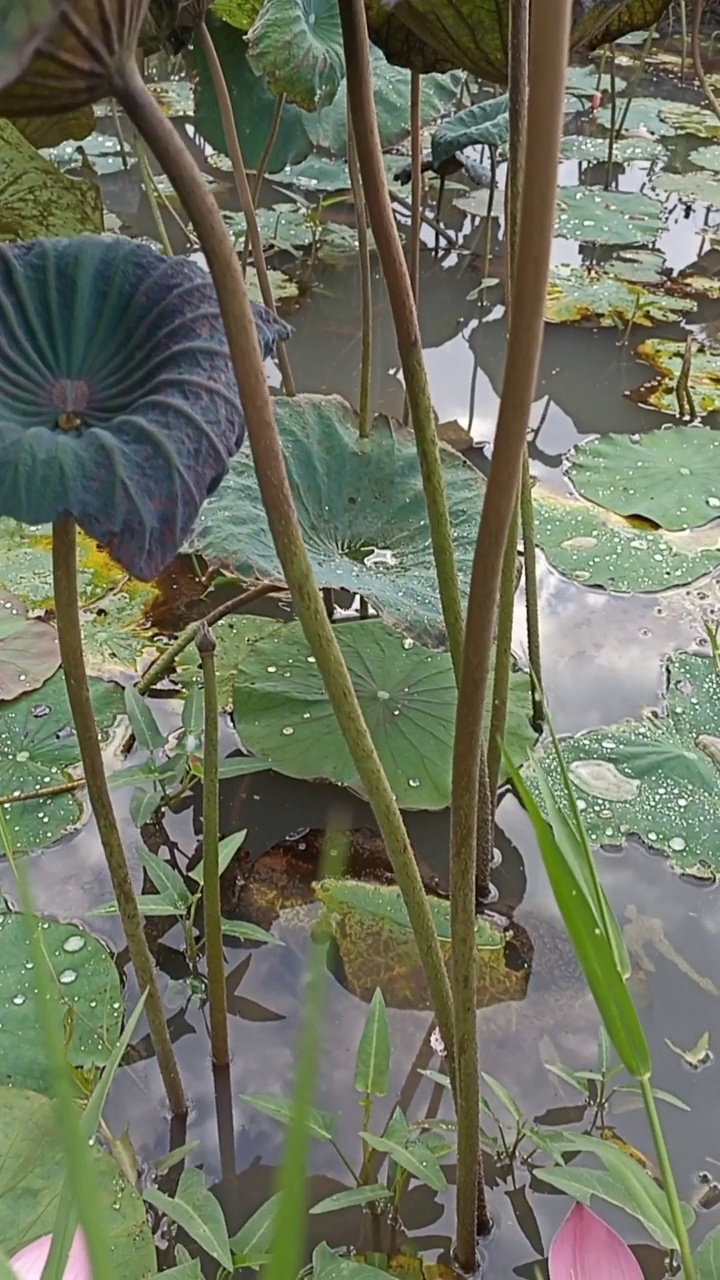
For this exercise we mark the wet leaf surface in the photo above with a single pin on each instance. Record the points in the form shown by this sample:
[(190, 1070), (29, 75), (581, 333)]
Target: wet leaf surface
[(32, 1173), (29, 650), (361, 507), (594, 216), (233, 636), (657, 777), (408, 696), (86, 1002), (38, 747), (701, 186), (670, 477), (585, 293), (625, 150), (667, 357)]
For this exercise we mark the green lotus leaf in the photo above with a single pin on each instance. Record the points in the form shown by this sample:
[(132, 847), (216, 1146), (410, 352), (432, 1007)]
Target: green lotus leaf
[(39, 749), (118, 399), (86, 1001), (601, 549), (707, 158), (232, 637), (29, 651), (595, 216), (588, 294), (657, 777), (638, 266), (685, 117), (22, 27), (667, 357), (399, 44), (408, 696), (362, 510), (74, 60), (603, 21), (298, 45), (377, 949), (670, 477), (238, 13), (483, 124), (39, 200), (643, 114), (578, 146), (701, 186), (32, 1175)]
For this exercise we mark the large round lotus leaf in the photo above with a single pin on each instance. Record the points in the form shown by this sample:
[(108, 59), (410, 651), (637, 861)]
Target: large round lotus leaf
[(86, 1001), (118, 401), (701, 185), (29, 650), (685, 117), (658, 777), (377, 948), (361, 507), (625, 150), (639, 266), (74, 60), (600, 549), (484, 123), (408, 696), (595, 216), (667, 356), (232, 636), (643, 114), (707, 157), (298, 45), (32, 1173), (39, 200), (585, 293), (23, 23), (38, 747), (670, 477)]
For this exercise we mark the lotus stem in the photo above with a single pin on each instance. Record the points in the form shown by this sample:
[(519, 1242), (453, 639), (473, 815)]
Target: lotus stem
[(416, 181), (635, 80), (532, 602), (471, 801), (613, 119), (501, 682), (697, 60), (366, 300), (244, 193), (163, 665), (684, 37), (67, 614), (405, 317), (668, 1178), (43, 793), (212, 915), (488, 217), (152, 195), (263, 163), (282, 517)]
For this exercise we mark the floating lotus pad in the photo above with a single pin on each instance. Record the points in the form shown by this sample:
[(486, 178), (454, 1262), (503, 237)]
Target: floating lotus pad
[(361, 507), (625, 150), (408, 696), (707, 157), (667, 357), (685, 117), (671, 477), (29, 652), (129, 426), (32, 1175), (595, 216), (701, 186), (600, 549), (38, 747), (86, 1002), (585, 293), (658, 777)]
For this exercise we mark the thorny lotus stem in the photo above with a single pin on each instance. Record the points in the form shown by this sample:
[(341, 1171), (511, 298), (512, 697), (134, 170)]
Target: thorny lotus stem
[(279, 504), (409, 340), (242, 185), (684, 37), (697, 60), (163, 665), (532, 601), (613, 120), (263, 163), (548, 47), (416, 182), (67, 614), (366, 300), (668, 1178), (152, 196), (212, 916)]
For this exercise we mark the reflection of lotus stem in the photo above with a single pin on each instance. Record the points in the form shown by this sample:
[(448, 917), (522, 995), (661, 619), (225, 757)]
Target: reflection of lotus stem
[(697, 60), (164, 664), (279, 505), (263, 163), (67, 614), (668, 1179), (151, 192), (212, 916), (244, 193), (472, 805), (366, 301), (404, 311), (416, 184)]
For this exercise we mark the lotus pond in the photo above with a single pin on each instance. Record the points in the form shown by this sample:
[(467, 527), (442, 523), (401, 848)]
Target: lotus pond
[(625, 459)]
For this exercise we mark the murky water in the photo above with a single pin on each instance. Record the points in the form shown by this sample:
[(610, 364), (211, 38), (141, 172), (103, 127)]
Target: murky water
[(602, 658)]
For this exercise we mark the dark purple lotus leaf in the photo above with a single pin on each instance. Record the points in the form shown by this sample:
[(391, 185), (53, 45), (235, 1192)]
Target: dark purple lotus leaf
[(118, 400)]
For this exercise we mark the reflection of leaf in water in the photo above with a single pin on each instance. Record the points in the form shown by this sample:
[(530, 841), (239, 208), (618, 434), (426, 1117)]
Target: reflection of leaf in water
[(642, 931)]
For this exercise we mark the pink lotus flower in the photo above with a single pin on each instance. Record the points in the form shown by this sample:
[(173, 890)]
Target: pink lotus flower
[(29, 1262), (586, 1248)]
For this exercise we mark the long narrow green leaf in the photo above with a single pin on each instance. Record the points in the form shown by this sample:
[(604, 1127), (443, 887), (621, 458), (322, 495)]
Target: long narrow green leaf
[(416, 1158), (197, 1211), (592, 948), (148, 733), (256, 1236), (369, 1194), (372, 1067)]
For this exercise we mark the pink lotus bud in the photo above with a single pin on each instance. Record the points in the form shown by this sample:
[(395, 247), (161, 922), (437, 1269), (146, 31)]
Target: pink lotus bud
[(596, 103), (28, 1264), (586, 1248)]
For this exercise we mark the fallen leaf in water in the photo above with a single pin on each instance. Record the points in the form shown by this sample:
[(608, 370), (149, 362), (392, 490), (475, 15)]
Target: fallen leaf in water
[(699, 1056)]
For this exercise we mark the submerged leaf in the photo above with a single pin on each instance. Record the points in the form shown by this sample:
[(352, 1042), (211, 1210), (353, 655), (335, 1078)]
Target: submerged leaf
[(119, 401)]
